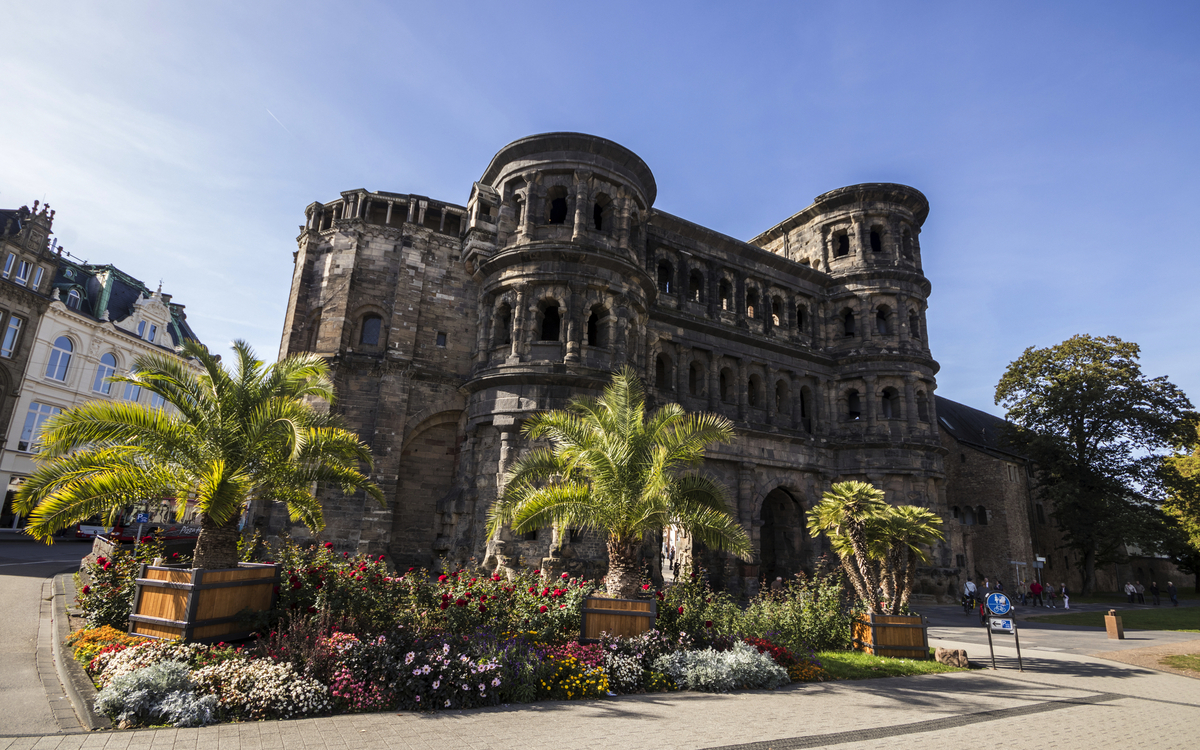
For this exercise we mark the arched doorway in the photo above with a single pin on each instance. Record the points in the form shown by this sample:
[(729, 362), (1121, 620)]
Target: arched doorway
[(782, 536)]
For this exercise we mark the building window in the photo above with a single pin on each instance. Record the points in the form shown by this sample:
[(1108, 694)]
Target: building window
[(906, 245), (725, 294), (968, 517), (38, 275), (551, 323), (60, 359), (595, 327), (891, 403), (441, 339), (106, 369), (922, 406), (601, 213), (662, 372), (503, 334), (73, 299), (530, 536), (34, 419), (782, 397), (726, 386), (696, 286), (776, 311), (751, 302), (754, 391), (157, 401), (153, 333), (664, 276), (556, 199), (133, 392), (22, 273), (8, 264), (914, 326), (883, 321), (695, 379), (1012, 472), (960, 561), (11, 333), (372, 325), (981, 515), (141, 328), (806, 408), (848, 323), (841, 245), (801, 318), (853, 406), (876, 241), (956, 514)]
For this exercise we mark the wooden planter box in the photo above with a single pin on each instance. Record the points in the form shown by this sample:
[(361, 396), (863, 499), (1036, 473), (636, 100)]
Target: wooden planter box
[(891, 635), (623, 617), (200, 605)]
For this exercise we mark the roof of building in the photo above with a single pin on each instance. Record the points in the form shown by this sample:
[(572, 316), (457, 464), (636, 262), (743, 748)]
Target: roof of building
[(976, 428), (108, 289)]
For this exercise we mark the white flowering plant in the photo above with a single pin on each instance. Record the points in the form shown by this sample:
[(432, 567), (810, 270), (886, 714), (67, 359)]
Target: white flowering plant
[(707, 670), (262, 689)]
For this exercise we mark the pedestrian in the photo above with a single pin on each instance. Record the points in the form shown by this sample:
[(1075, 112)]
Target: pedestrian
[(1130, 591), (1050, 597), (1035, 592), (1066, 597), (777, 584), (1154, 592), (1141, 592), (999, 585), (1173, 594), (987, 586)]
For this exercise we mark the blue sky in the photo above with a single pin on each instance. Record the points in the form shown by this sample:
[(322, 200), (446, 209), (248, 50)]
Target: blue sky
[(1057, 143)]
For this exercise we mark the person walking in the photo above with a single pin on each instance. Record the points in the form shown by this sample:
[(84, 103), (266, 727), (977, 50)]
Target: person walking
[(1035, 590), (1154, 592), (1130, 592), (1173, 594), (1141, 592), (1066, 597), (1000, 585), (987, 586)]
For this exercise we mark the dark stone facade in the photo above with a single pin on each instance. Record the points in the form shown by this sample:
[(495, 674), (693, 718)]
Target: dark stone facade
[(449, 325)]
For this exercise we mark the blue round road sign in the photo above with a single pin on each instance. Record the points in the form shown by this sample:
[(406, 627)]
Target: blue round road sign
[(998, 604)]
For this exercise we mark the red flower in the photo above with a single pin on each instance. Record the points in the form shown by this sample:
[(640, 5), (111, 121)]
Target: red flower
[(496, 578), (444, 604), (532, 590), (461, 602), (562, 606), (542, 608), (482, 608), (87, 589), (545, 592), (537, 571), (645, 587), (107, 565), (681, 610), (101, 560), (345, 554), (473, 580), (708, 623), (441, 579), (445, 596), (660, 595), (381, 558), (566, 575), (410, 570), (312, 610), (328, 545)]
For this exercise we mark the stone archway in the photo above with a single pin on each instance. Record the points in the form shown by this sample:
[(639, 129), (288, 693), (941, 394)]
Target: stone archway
[(783, 537)]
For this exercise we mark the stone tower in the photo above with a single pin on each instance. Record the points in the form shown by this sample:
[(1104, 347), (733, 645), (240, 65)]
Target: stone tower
[(447, 326)]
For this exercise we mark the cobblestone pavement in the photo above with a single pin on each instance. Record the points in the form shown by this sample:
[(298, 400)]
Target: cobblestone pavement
[(1061, 700)]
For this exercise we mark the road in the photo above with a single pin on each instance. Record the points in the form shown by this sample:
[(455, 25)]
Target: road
[(25, 566)]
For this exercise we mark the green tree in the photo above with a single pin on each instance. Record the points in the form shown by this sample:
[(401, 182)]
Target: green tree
[(610, 469), (1095, 428), (249, 434), (879, 544), (1181, 509)]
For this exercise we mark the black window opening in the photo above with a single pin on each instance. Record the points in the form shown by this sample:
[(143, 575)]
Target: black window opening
[(981, 516), (696, 287), (695, 378), (662, 372), (556, 212), (883, 322), (801, 318), (754, 391), (914, 326), (596, 328), (848, 323), (726, 385), (504, 317), (806, 409), (551, 323), (441, 339), (876, 241), (598, 217), (841, 245), (776, 311), (922, 406), (664, 277), (601, 213), (890, 403), (853, 406), (372, 325), (751, 303), (782, 398), (530, 536), (725, 294), (906, 245)]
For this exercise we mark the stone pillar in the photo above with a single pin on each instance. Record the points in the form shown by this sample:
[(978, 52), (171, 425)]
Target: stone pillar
[(870, 397), (518, 326), (526, 215), (484, 336), (572, 326), (388, 219), (714, 384), (742, 378), (681, 374), (831, 396), (412, 210), (422, 206), (902, 318), (910, 402), (581, 202), (771, 390), (797, 416), (621, 214), (509, 435)]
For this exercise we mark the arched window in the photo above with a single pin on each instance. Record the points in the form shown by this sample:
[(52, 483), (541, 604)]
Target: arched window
[(73, 299), (981, 516), (754, 391), (313, 330), (665, 271), (848, 322), (503, 330), (726, 385), (853, 405), (906, 245), (696, 379), (776, 311), (662, 372), (597, 328), (551, 322), (751, 302), (883, 320), (141, 328), (922, 406), (60, 359), (914, 325), (132, 392), (556, 203), (801, 319), (957, 514), (890, 403), (696, 286), (968, 516), (876, 241), (783, 398), (725, 294), (806, 408), (841, 245), (372, 326), (601, 213), (105, 370), (518, 210)]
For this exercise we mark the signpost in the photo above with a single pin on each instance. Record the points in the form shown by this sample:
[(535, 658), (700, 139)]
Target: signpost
[(142, 518), (1001, 621)]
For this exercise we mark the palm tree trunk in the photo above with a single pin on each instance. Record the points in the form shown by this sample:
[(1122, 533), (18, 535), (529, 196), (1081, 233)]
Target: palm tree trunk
[(623, 576), (216, 548)]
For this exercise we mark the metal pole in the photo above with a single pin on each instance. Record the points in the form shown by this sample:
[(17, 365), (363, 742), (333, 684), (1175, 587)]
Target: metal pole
[(1020, 666), (991, 647)]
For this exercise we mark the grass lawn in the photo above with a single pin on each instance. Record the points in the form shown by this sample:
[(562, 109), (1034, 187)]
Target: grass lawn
[(855, 665), (1183, 661), (1171, 618)]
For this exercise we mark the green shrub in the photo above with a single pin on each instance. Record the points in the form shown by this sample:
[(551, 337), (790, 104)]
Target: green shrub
[(107, 598), (161, 692), (712, 671)]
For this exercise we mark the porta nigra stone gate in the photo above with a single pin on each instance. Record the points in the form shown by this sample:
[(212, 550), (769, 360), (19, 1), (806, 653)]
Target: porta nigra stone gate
[(447, 326)]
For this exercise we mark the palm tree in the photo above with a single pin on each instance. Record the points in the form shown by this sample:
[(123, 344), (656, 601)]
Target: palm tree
[(910, 530), (846, 513), (612, 470), (249, 434)]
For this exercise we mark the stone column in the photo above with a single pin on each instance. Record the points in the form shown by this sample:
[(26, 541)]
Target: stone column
[(526, 220), (572, 321), (621, 216), (518, 326), (509, 435), (870, 397), (484, 336), (714, 384), (770, 388), (388, 219), (681, 374), (831, 396), (412, 210), (797, 416), (902, 318), (746, 493), (581, 202), (742, 378), (910, 402)]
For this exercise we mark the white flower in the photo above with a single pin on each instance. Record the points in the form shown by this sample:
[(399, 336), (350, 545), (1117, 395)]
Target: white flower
[(482, 687), (496, 682), (437, 684), (447, 703), (417, 699), (409, 657)]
